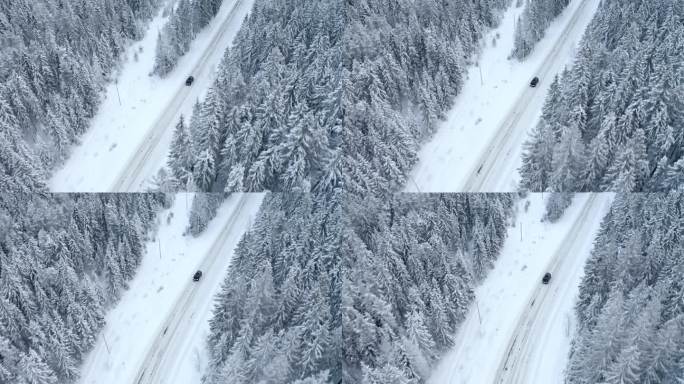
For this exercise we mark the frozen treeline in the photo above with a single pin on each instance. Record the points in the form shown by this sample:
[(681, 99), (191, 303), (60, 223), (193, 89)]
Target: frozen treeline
[(186, 21), (272, 119), (404, 62), (630, 309), (410, 265), (55, 57), (615, 120), (203, 210), (277, 318), (556, 205), (531, 26), (63, 260), (301, 105), (332, 288)]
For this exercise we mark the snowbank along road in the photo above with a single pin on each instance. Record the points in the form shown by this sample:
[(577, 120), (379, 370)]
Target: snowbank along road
[(138, 168), (496, 107), (171, 343), (495, 162), (533, 337), (518, 329)]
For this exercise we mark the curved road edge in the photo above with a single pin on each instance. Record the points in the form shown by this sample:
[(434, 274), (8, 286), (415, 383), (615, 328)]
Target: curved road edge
[(153, 368), (492, 155), (567, 262), (132, 175)]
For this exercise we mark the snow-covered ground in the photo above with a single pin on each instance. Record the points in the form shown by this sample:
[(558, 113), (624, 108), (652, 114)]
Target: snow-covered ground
[(157, 332), (519, 330), (479, 145), (130, 135)]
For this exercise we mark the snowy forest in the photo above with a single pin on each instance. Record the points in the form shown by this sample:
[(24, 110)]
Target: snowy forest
[(186, 21), (531, 26), (272, 118), (305, 106), (277, 317), (347, 100), (56, 57), (411, 264), (322, 285), (203, 210), (325, 105), (64, 260), (404, 64), (614, 121), (630, 308)]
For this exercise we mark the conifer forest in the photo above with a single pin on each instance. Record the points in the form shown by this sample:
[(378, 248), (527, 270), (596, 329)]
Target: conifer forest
[(341, 191)]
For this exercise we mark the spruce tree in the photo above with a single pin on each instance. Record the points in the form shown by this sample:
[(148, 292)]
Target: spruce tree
[(180, 153)]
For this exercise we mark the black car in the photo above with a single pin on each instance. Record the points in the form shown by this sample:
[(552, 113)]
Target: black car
[(189, 81), (197, 276), (534, 82), (546, 278)]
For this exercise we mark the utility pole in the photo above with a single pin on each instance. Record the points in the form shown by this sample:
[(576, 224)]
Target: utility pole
[(159, 243), (479, 66), (104, 337), (414, 183), (479, 317), (116, 83), (521, 231)]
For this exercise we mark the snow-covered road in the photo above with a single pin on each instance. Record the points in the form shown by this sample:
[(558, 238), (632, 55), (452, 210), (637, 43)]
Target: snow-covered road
[(493, 169), (156, 143), (519, 330), (545, 317), (129, 137), (478, 148), (157, 332), (174, 340)]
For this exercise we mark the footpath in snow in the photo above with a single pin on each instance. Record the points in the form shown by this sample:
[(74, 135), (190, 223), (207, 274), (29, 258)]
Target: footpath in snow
[(135, 326), (519, 330), (496, 100), (139, 111)]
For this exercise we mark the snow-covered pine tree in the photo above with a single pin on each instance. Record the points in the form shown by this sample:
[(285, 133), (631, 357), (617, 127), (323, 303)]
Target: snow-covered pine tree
[(277, 317), (317, 105), (63, 259), (556, 205), (180, 153), (411, 262), (187, 20), (622, 97), (56, 58), (631, 321), (204, 208), (531, 26), (398, 87)]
